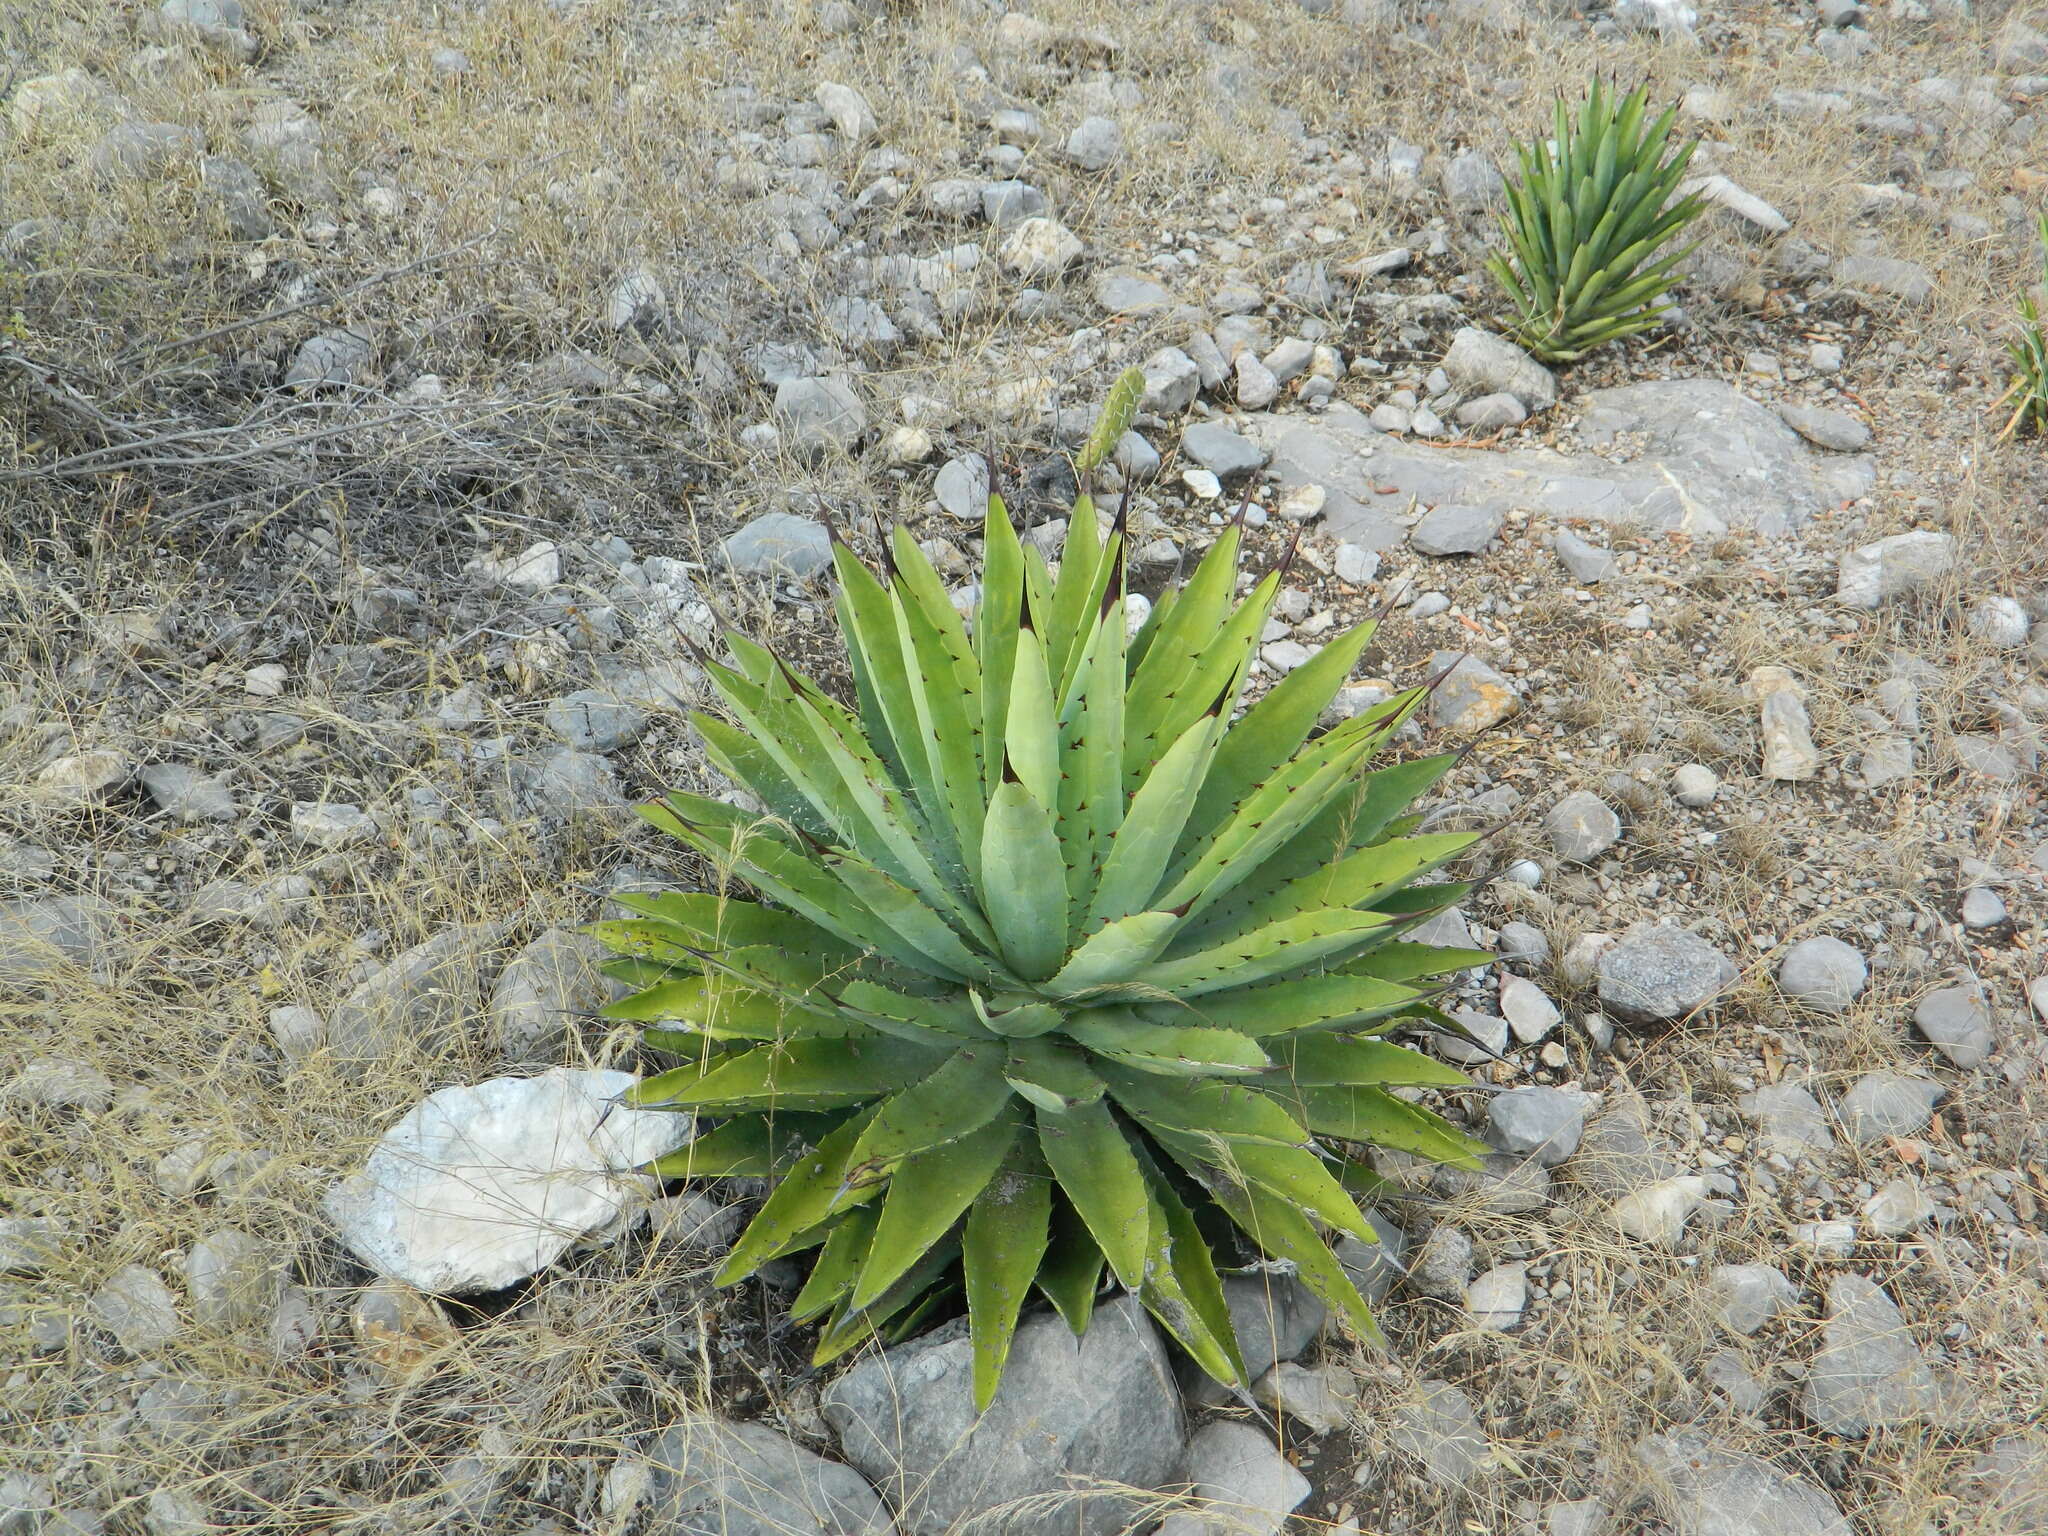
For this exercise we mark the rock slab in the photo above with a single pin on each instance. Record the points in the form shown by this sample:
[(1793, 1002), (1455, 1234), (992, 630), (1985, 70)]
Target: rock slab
[(1074, 1421), (477, 1188)]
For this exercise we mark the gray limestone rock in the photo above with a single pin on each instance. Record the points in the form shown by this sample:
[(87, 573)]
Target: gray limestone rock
[(1074, 1422), (1656, 972), (30, 1244), (1221, 451), (1172, 380), (1868, 1372), (1618, 1156), (1456, 530), (778, 544), (233, 1280), (1543, 1123), (961, 487), (137, 1308), (477, 1187), (1883, 1104), (1440, 1430), (543, 990), (1702, 458), (1887, 277), (1471, 696), (1708, 1490), (1374, 1267), (1894, 567), (59, 1083), (1789, 1120), (819, 416), (42, 937), (1956, 1021), (712, 1478), (593, 721), (1836, 431), (1588, 563), (1443, 1263), (1582, 826), (1275, 1316), (1240, 1473), (331, 360), (1746, 1296), (426, 997), (1480, 363), (1823, 973)]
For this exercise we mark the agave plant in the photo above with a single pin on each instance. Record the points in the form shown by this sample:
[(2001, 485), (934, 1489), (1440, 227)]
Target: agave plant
[(1031, 968), (2029, 349), (1593, 206)]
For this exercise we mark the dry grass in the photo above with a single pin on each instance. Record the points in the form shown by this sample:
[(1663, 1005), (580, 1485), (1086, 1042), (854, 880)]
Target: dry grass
[(591, 139)]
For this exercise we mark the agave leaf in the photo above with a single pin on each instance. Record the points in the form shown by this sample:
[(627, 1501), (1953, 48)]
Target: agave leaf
[(809, 1074), (718, 1009), (838, 1264), (811, 1193), (1072, 1269), (1358, 880), (940, 1015), (1114, 953), (1143, 845), (1000, 1251), (1319, 1058), (1050, 1076), (1280, 1231), (1295, 1174), (750, 1147), (1219, 673), (1181, 1288), (1204, 1108), (1091, 1158), (1017, 1015), (1168, 1050), (733, 838), (1356, 819), (1301, 1003), (865, 610), (743, 760), (1024, 882), (1273, 729), (1091, 790), (718, 919), (1400, 961), (1210, 867), (1076, 596), (945, 688), (1287, 944), (1182, 636), (997, 622), (1031, 736), (1375, 1117), (962, 1095), (927, 1193), (851, 1326), (927, 932)]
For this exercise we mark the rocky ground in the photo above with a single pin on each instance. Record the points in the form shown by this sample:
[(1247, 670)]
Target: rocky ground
[(393, 391)]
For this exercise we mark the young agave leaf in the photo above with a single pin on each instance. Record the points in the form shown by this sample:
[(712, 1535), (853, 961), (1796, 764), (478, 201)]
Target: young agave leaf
[(926, 1195), (812, 1191), (1024, 882), (839, 1263), (1000, 1251), (1072, 1271), (961, 1096), (808, 1074), (1051, 1077), (1317, 1058), (1118, 1035), (1091, 1158)]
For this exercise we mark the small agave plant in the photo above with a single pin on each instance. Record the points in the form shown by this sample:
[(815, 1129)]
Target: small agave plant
[(2029, 352), (1594, 206), (1033, 969)]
